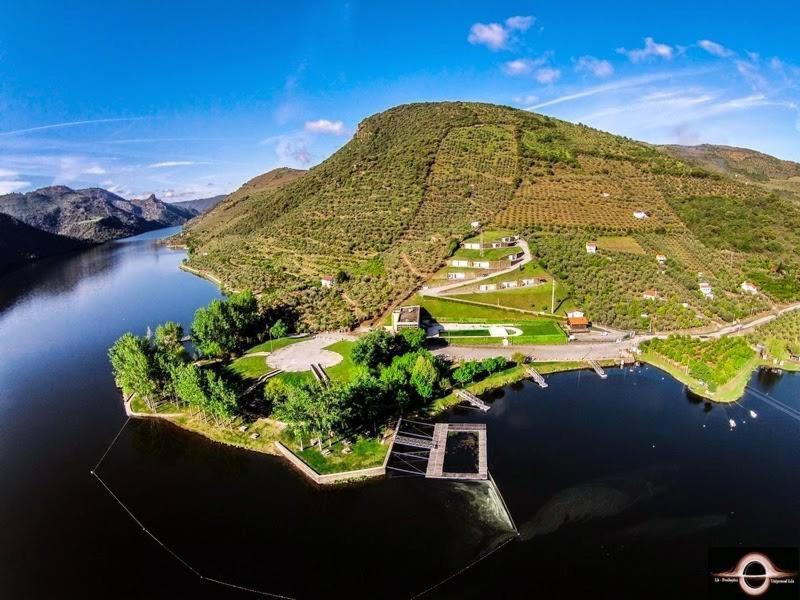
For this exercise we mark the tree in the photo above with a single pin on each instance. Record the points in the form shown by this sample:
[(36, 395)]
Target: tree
[(278, 330), (414, 338), (168, 337), (424, 377), (221, 397), (294, 409), (133, 366), (242, 312), (519, 358), (468, 372), (169, 354), (494, 364), (374, 349), (212, 330)]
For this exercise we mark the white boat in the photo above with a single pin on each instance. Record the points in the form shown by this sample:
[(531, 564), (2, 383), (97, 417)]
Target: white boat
[(753, 414), (732, 423)]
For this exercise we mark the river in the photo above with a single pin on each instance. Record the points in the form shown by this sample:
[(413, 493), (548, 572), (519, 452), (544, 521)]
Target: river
[(650, 477)]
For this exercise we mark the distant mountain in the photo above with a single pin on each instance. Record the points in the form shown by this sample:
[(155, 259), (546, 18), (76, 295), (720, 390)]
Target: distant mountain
[(730, 160), (93, 214), (200, 205), (21, 243)]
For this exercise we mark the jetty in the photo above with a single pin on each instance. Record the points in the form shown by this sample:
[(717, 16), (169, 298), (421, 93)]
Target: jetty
[(536, 376), (597, 368), (435, 469), (472, 399)]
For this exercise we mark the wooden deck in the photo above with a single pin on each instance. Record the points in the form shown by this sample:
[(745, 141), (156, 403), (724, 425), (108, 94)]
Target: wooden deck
[(597, 368), (435, 469)]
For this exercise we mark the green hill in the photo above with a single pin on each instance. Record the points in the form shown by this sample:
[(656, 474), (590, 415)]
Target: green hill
[(387, 209)]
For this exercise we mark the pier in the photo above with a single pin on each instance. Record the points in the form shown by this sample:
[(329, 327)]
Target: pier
[(435, 468), (320, 374), (472, 399), (536, 376), (597, 368)]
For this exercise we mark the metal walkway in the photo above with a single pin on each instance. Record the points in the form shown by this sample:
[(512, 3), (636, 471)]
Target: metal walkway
[(435, 468), (597, 368), (472, 399), (536, 376)]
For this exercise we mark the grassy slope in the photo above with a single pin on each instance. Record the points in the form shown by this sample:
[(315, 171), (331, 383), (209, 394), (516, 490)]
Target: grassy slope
[(391, 205)]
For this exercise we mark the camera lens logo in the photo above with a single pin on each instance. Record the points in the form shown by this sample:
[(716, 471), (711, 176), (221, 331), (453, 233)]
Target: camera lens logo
[(755, 573)]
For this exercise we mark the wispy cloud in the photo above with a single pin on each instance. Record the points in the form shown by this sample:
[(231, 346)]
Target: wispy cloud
[(523, 66), (94, 170), (496, 36), (325, 126), (172, 163), (652, 49), (621, 84), (293, 152), (7, 173), (69, 124), (715, 48), (595, 66)]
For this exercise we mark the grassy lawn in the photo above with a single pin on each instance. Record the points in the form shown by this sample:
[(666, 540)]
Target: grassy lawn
[(249, 367), (268, 432), (620, 244), (276, 344), (341, 371), (534, 298), (491, 235), (453, 311), (296, 377), (366, 452), (466, 333), (487, 254)]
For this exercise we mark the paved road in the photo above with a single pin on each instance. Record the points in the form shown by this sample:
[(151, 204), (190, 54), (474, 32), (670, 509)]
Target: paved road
[(575, 351), (737, 328), (437, 291)]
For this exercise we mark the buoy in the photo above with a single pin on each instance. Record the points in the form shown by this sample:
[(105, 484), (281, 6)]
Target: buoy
[(732, 423), (753, 414)]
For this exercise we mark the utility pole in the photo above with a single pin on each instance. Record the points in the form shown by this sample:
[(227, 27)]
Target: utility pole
[(553, 297)]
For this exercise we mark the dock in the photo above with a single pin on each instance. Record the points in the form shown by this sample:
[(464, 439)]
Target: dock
[(435, 469), (597, 368), (472, 399), (536, 376)]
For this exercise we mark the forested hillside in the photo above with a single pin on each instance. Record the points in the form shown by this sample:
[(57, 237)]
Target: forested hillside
[(385, 211)]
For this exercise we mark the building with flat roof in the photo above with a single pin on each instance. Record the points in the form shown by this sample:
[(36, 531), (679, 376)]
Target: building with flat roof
[(406, 317)]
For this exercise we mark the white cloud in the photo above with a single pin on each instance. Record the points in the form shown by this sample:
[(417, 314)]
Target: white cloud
[(525, 100), (715, 48), (651, 49), (94, 170), (547, 75), (7, 173), (492, 35), (496, 36), (6, 187), (325, 126), (520, 23), (523, 66), (595, 66), (751, 72), (171, 163)]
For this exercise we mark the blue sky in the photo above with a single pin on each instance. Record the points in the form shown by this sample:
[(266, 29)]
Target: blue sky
[(189, 100)]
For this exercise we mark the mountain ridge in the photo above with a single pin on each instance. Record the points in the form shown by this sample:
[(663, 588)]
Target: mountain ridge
[(389, 207)]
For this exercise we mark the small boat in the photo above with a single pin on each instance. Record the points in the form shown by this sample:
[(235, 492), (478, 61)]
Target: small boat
[(753, 414), (732, 423)]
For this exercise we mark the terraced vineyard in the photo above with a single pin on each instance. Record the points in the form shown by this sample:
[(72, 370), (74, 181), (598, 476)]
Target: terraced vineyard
[(386, 211)]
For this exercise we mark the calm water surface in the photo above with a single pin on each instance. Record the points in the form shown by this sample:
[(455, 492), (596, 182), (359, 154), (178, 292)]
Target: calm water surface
[(617, 486)]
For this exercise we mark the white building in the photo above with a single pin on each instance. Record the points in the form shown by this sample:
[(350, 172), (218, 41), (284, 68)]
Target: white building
[(459, 262), (515, 256), (661, 259), (326, 281), (591, 247), (478, 264), (650, 295), (509, 284), (706, 290), (575, 314), (510, 239), (475, 224), (472, 245), (528, 282), (487, 287), (640, 214), (749, 288), (457, 275)]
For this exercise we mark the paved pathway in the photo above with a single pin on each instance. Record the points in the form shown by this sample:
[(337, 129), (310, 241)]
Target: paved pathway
[(300, 356)]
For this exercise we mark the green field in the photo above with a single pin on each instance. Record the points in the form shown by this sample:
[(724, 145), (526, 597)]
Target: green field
[(466, 333), (341, 371), (249, 367), (619, 244), (366, 452), (535, 298), (487, 254), (271, 346)]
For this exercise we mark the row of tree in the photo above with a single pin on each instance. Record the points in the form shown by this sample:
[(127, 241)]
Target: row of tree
[(156, 368)]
